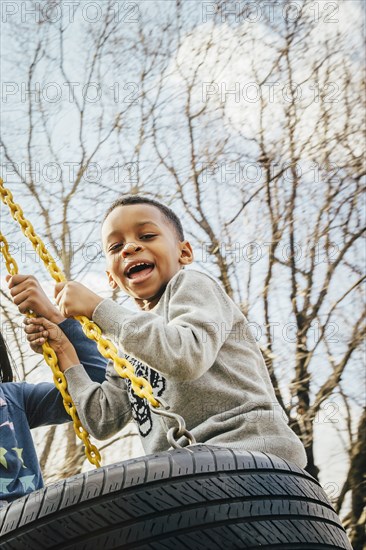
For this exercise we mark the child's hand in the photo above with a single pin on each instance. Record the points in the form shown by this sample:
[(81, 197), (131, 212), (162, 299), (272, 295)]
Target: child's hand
[(75, 299), (34, 333), (28, 294), (42, 330)]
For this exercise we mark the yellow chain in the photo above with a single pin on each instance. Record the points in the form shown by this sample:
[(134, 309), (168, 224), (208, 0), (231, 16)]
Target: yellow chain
[(10, 263), (58, 377), (123, 367)]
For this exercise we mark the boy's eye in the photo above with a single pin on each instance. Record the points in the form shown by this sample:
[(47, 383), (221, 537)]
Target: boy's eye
[(120, 245), (115, 247)]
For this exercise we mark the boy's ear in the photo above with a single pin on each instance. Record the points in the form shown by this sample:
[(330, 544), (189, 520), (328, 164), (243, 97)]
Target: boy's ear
[(112, 282), (186, 253)]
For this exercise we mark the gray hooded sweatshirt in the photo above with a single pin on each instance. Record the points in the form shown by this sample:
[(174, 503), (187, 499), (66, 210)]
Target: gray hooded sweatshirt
[(196, 350)]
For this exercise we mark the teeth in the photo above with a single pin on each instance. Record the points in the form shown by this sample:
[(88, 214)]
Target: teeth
[(136, 265)]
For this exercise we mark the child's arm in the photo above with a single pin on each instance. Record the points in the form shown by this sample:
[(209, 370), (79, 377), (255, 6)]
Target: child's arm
[(104, 409), (93, 362), (65, 351), (28, 294), (184, 346), (43, 402)]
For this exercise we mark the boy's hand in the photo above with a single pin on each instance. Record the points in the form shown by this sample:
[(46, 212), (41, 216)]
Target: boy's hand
[(28, 294), (45, 330), (34, 333), (75, 299)]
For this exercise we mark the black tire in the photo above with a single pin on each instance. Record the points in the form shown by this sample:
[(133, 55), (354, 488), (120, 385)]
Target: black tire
[(205, 498)]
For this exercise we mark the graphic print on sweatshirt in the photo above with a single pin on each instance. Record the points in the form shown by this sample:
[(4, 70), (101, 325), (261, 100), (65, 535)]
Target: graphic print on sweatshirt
[(140, 408)]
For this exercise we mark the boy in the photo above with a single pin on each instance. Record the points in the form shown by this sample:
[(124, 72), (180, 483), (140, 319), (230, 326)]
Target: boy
[(200, 356)]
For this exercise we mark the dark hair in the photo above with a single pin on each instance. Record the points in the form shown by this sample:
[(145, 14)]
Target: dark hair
[(138, 199), (6, 372)]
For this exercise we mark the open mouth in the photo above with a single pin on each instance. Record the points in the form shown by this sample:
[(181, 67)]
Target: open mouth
[(139, 270)]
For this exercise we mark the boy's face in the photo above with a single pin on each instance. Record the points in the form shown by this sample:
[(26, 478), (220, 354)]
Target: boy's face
[(143, 252)]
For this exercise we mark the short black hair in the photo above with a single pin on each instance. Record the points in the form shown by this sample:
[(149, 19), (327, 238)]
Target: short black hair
[(6, 372), (171, 217)]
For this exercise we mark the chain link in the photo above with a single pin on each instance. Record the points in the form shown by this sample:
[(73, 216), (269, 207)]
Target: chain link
[(10, 263)]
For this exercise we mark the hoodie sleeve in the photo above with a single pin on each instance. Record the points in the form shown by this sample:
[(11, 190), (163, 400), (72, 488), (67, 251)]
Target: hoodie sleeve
[(43, 402), (104, 409), (184, 343)]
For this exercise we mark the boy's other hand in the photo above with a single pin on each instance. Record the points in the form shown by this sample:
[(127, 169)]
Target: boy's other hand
[(75, 299), (43, 330), (28, 294), (34, 333)]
